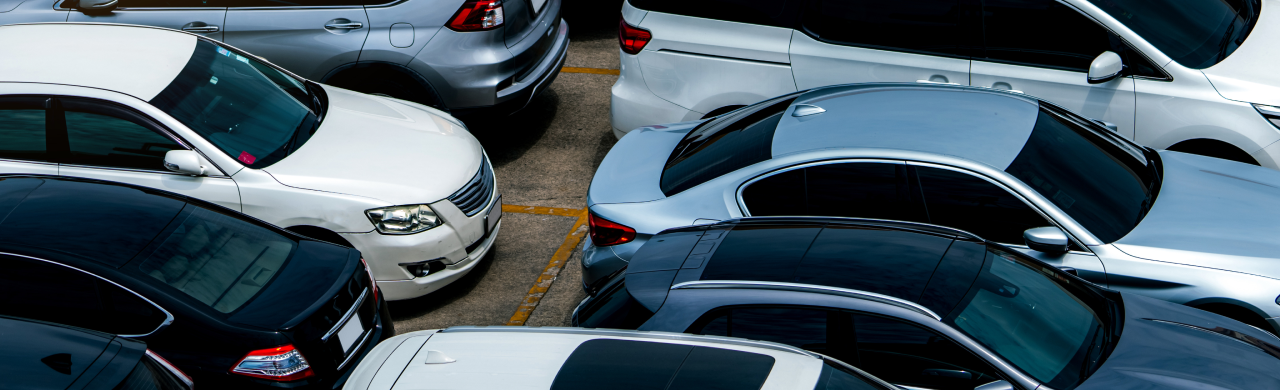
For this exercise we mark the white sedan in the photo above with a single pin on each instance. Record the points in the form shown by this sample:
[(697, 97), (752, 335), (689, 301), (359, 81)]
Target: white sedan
[(405, 184), (521, 358)]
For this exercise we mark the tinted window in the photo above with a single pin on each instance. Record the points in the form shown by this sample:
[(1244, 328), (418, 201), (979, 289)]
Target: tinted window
[(954, 275), (968, 203), (22, 128), (823, 331), (768, 253), (1195, 33), (1096, 178), (149, 375), (889, 262), (766, 12), (219, 260), (905, 354), (929, 26), (837, 377), (626, 364), (250, 111), (859, 190), (724, 144), (613, 307), (53, 293), (1043, 33), (109, 136)]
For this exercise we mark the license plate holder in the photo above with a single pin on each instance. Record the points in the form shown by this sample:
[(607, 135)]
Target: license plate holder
[(350, 333), (495, 214)]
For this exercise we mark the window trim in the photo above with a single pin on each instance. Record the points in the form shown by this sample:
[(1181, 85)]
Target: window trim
[(802, 28), (168, 316), (742, 204), (153, 125)]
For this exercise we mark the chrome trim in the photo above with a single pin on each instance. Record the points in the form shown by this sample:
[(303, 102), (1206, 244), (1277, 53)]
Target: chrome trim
[(147, 170), (799, 287), (355, 350), (868, 221), (635, 334), (346, 317), (27, 161), (287, 8), (168, 316), (182, 376)]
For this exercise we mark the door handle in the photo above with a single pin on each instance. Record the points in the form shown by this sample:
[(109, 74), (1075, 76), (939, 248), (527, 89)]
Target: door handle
[(935, 82), (200, 27), (343, 26)]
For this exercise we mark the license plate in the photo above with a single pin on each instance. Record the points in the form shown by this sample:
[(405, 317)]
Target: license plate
[(495, 214), (350, 333), (537, 5)]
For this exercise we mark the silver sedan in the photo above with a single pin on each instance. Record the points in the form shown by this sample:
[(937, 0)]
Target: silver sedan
[(1005, 166)]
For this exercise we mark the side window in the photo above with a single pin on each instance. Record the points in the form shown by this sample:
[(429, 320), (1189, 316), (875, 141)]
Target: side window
[(766, 12), (858, 190), (975, 205), (109, 136), (924, 26), (889, 262), (824, 331), (53, 293), (905, 354), (22, 127), (1043, 33)]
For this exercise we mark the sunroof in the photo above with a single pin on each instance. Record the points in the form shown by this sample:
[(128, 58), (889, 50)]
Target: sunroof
[(641, 365)]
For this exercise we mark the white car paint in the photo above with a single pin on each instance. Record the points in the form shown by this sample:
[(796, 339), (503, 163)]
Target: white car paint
[(688, 70), (368, 152)]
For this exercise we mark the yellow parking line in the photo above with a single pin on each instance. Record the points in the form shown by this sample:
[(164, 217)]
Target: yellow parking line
[(569, 69), (563, 212), (552, 270)]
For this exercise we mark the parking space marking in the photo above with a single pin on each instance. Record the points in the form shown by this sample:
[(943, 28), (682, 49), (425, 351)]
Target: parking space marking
[(570, 69), (563, 212), (553, 268)]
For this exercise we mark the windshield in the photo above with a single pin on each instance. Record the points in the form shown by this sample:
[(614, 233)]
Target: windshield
[(1102, 181), (1195, 33), (724, 144), (1038, 319), (249, 110), (219, 260)]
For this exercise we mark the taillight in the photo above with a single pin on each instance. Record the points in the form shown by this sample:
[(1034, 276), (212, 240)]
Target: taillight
[(477, 15), (605, 232), (182, 376), (632, 38), (279, 364), (372, 283)]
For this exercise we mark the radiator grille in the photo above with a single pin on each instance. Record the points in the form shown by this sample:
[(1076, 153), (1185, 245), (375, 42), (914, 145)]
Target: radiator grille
[(474, 195)]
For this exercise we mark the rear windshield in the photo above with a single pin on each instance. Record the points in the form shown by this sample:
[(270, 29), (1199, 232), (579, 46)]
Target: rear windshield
[(1195, 33), (724, 144), (614, 308), (627, 364), (219, 260)]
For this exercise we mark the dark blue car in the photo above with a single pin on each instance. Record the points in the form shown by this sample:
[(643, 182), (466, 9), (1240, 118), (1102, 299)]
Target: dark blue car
[(926, 307)]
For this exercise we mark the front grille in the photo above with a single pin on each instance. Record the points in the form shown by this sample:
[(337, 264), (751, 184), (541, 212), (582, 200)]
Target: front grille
[(473, 196)]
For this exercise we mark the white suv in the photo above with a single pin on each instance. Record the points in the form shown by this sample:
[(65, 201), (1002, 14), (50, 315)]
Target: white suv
[(1187, 75), (405, 184)]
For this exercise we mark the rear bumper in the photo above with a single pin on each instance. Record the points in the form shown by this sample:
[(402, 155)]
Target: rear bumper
[(383, 329), (515, 97)]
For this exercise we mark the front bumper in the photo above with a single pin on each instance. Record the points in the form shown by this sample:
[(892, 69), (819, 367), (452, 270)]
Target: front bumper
[(396, 290)]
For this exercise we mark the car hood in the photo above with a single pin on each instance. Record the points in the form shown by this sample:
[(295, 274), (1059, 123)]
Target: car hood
[(382, 148), (1249, 74), (1169, 346), (1212, 213), (633, 168)]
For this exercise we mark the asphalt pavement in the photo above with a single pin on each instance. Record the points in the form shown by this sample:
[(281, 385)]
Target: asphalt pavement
[(544, 157)]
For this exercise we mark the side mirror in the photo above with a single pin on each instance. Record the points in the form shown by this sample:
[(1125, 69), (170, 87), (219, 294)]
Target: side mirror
[(1044, 239), (997, 385), (95, 6), (1108, 66), (1108, 125), (184, 161)]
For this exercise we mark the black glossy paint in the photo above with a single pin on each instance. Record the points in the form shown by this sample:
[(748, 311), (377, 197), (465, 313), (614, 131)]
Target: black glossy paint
[(38, 355)]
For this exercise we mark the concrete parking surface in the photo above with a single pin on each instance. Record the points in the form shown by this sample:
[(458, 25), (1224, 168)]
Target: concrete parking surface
[(543, 157)]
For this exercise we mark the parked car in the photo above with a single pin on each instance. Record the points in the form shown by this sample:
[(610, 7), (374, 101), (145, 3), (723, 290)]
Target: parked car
[(924, 306), (405, 184), (228, 299), (508, 357), (1184, 75), (1009, 168), (472, 57), (38, 355)]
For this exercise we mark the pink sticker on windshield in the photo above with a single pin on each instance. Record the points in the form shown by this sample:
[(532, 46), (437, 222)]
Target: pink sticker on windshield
[(247, 158)]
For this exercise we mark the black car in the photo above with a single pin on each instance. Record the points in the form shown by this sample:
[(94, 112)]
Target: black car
[(39, 355), (924, 306), (228, 299)]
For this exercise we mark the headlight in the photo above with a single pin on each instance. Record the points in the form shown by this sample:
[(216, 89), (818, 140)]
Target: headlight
[(403, 219), (1272, 113)]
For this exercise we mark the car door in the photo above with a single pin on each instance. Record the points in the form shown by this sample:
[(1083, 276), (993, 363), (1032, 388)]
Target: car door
[(111, 142), (1044, 48), (307, 38), (963, 201), (202, 17), (870, 189), (859, 41), (22, 136)]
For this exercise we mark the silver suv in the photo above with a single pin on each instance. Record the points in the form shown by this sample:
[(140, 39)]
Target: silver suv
[(466, 56)]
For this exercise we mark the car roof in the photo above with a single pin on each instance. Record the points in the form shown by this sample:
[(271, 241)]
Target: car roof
[(54, 356), (135, 60), (976, 124)]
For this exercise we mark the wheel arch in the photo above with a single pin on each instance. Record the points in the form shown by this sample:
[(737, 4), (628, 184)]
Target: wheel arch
[(350, 76), (319, 233)]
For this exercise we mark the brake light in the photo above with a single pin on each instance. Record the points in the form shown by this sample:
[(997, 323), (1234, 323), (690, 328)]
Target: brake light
[(182, 376), (281, 364), (632, 38), (372, 282), (605, 232), (477, 15)]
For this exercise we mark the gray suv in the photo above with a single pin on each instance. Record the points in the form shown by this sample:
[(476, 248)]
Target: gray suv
[(466, 56)]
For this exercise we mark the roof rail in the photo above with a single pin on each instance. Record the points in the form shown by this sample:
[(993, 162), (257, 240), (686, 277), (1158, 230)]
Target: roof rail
[(634, 334), (809, 288)]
